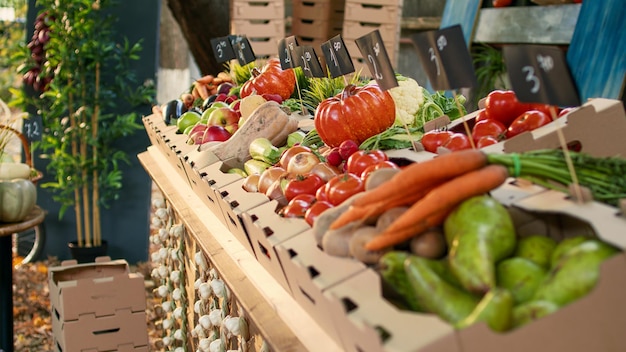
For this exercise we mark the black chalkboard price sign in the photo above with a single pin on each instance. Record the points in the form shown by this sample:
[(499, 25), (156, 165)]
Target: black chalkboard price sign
[(373, 50), (285, 49), (306, 58), (337, 57), (539, 74), (243, 49), (445, 58), (32, 128), (222, 49)]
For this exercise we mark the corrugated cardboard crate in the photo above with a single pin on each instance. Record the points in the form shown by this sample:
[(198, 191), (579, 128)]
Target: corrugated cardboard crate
[(323, 10), (376, 13), (235, 201), (99, 288), (265, 46), (316, 28), (592, 323), (257, 10), (123, 331), (309, 272), (597, 128), (266, 229), (152, 124), (259, 28), (206, 183)]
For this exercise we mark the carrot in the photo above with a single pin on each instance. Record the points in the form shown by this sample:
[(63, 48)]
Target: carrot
[(425, 174), (202, 90), (361, 213), (442, 199), (205, 79), (382, 240)]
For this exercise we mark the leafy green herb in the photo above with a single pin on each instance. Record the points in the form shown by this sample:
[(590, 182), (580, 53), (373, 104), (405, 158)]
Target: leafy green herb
[(395, 137), (438, 104)]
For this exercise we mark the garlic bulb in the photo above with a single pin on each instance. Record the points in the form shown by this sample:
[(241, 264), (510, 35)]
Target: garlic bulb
[(216, 346), (161, 213), (177, 230), (197, 283), (218, 287), (163, 291), (205, 322), (204, 290), (167, 340), (178, 313), (168, 324), (167, 306), (177, 294), (158, 203), (231, 324), (200, 261), (203, 345), (175, 276), (197, 307), (178, 335), (216, 317), (163, 270)]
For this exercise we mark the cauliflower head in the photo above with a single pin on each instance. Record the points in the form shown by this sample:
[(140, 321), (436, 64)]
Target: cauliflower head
[(408, 97)]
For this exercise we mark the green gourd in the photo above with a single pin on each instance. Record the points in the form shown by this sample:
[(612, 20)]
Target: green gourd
[(17, 199)]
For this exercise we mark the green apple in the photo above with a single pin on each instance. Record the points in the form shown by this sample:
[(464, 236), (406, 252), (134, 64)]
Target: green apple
[(215, 105), (187, 119)]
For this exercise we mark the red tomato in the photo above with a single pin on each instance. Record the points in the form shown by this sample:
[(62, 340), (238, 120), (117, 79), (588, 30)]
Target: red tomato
[(380, 165), (315, 210), (485, 141), (342, 187), (458, 141), (303, 184), (527, 121), (297, 207), (566, 111), (480, 116), (501, 3), (488, 127), (546, 109), (321, 195), (434, 139), (358, 161), (502, 105)]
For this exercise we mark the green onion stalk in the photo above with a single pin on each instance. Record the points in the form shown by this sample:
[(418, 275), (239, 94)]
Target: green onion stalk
[(604, 177)]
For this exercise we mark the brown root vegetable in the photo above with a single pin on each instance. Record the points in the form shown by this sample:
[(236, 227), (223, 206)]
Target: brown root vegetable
[(337, 242), (388, 217), (430, 244), (377, 177), (323, 221), (361, 236), (251, 183)]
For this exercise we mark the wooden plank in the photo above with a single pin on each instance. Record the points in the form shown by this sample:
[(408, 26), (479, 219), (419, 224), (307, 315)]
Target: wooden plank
[(281, 321), (597, 52), (527, 24)]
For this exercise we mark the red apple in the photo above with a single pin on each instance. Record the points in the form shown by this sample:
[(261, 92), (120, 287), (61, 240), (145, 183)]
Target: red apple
[(275, 97), (224, 117), (209, 134), (224, 97)]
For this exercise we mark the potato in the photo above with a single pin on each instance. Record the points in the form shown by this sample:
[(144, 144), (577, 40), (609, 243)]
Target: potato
[(379, 176), (388, 217), (429, 244), (357, 245), (337, 242)]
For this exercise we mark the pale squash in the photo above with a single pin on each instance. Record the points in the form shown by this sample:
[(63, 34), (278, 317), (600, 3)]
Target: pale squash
[(17, 199), (9, 171)]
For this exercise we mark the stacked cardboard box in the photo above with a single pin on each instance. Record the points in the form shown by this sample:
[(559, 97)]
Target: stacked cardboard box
[(362, 17), (262, 22), (97, 306), (316, 21)]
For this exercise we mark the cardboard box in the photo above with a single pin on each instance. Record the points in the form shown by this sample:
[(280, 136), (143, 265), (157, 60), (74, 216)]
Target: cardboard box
[(316, 28), (375, 13), (318, 10), (153, 123), (257, 10), (309, 272), (206, 183), (266, 229), (197, 159), (592, 127), (123, 331), (235, 201), (258, 28), (592, 323), (99, 288)]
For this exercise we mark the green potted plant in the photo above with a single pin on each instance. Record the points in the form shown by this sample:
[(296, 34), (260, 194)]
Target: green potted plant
[(80, 75)]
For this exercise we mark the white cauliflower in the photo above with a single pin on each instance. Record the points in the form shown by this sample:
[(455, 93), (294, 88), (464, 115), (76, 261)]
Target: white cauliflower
[(408, 97)]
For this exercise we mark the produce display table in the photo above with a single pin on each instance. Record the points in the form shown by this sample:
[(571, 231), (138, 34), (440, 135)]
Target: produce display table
[(284, 325), (35, 218)]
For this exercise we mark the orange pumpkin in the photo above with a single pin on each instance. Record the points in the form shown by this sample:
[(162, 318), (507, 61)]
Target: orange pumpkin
[(271, 79), (356, 113)]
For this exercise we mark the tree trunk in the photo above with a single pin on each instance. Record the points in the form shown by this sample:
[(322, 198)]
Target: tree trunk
[(200, 21)]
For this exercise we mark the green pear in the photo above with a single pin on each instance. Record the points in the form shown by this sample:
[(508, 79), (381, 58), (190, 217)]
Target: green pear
[(495, 309), (564, 246), (479, 233), (537, 248), (531, 311), (436, 295), (521, 276), (576, 273)]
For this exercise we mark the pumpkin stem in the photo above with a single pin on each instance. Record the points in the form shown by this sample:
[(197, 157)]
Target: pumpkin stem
[(348, 91), (255, 72)]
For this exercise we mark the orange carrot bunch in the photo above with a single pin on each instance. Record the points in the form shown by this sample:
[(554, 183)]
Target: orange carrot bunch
[(206, 86)]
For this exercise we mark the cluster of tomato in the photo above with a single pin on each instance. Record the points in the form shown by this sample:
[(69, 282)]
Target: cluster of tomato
[(504, 116), (326, 182)]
